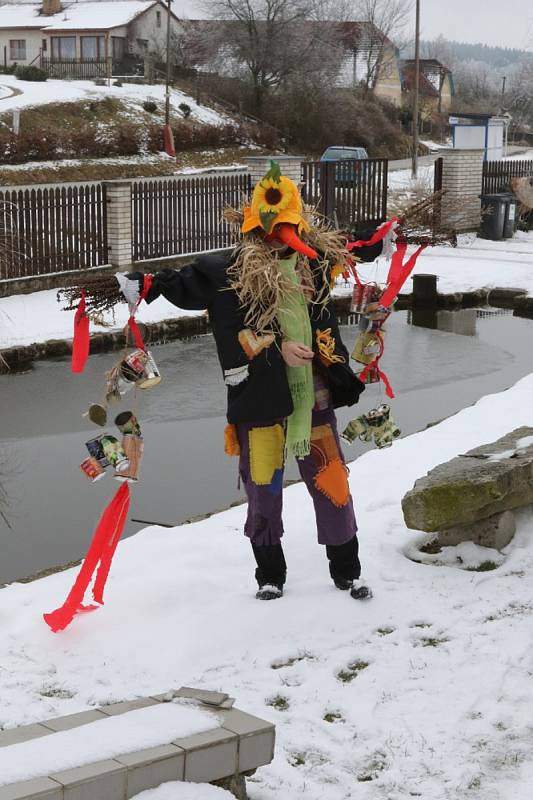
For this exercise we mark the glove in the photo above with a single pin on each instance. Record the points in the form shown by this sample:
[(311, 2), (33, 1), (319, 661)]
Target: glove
[(131, 285)]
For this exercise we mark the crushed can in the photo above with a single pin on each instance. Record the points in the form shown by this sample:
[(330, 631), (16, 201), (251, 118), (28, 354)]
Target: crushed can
[(92, 469), (140, 368), (114, 453), (128, 424), (96, 450), (133, 447)]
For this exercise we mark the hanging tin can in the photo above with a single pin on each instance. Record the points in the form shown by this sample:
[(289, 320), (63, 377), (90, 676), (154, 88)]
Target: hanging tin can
[(140, 368), (114, 453), (372, 375), (127, 423), (133, 447), (96, 450), (92, 469)]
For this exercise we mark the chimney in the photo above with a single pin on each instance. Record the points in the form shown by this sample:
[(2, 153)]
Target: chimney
[(51, 7)]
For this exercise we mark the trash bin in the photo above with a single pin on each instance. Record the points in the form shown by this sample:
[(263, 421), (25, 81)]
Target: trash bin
[(511, 217), (493, 214), (424, 289)]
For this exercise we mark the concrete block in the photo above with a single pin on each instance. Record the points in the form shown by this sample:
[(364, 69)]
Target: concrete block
[(37, 789), (102, 780), (209, 756), (205, 696), (256, 750), (127, 705), (243, 724), (22, 734), (73, 720), (148, 769)]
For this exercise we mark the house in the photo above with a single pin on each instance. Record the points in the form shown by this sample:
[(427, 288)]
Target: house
[(363, 55), (436, 85), (88, 33)]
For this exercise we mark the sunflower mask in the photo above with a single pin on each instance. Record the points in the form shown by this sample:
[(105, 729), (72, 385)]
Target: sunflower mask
[(275, 199), (275, 208)]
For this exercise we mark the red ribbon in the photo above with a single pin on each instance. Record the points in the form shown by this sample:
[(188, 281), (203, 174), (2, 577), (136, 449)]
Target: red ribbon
[(399, 272), (99, 557), (81, 340), (377, 236), (134, 328)]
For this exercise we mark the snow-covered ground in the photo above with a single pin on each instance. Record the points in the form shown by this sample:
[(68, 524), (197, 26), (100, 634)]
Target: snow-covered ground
[(57, 91), (37, 317), (476, 263), (425, 691), (184, 791)]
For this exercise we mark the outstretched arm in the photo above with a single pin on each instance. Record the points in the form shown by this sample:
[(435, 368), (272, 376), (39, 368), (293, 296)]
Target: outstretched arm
[(191, 287)]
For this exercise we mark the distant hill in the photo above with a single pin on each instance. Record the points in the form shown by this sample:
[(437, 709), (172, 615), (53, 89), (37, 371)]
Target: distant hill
[(496, 57)]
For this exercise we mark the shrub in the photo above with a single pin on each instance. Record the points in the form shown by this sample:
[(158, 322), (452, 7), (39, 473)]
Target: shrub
[(30, 73), (150, 106), (185, 109)]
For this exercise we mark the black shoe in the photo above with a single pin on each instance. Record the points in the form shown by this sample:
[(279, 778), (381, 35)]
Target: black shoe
[(269, 591), (343, 584), (361, 590)]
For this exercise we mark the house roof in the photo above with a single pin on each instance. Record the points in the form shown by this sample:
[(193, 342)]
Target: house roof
[(432, 75), (85, 15)]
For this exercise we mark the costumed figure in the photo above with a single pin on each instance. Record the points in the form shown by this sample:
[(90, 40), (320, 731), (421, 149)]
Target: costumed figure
[(284, 364)]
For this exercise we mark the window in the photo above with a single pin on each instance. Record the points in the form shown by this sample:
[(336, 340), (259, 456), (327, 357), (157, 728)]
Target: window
[(158, 18), (17, 49), (63, 48), (44, 45), (118, 45), (92, 48)]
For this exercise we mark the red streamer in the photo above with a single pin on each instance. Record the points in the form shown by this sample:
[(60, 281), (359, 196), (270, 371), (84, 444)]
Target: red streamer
[(134, 328), (81, 340), (99, 557), (399, 272), (377, 236)]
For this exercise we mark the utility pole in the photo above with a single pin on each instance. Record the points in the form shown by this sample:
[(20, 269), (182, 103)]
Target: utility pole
[(416, 92), (502, 103), (167, 130)]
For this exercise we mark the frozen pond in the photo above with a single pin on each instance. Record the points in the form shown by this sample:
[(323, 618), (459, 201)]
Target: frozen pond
[(53, 509)]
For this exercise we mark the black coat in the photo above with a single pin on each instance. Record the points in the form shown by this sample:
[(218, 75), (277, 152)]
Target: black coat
[(264, 395)]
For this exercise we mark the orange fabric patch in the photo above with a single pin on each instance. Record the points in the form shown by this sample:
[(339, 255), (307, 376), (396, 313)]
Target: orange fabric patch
[(267, 447), (323, 445), (231, 442), (332, 481), (252, 344)]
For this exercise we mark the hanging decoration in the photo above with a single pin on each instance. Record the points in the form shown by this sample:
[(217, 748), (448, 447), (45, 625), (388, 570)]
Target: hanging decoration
[(134, 370)]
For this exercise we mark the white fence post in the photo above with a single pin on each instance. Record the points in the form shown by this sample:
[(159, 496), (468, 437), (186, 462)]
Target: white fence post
[(119, 233)]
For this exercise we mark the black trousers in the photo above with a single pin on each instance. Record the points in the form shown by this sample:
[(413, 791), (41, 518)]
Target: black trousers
[(272, 568)]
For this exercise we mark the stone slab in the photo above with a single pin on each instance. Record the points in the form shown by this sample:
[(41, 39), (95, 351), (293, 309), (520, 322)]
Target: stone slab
[(73, 720), (37, 789), (123, 707), (485, 481), (102, 780), (147, 769), (22, 734), (209, 756)]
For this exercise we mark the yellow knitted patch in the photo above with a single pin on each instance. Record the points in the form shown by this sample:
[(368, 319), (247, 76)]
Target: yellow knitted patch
[(266, 453)]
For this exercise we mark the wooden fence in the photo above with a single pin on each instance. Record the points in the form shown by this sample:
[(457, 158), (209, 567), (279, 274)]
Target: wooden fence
[(352, 194), (177, 216), (52, 229), (497, 174), (72, 69)]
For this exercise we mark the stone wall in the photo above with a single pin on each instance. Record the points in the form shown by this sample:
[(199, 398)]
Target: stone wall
[(462, 175), (291, 166)]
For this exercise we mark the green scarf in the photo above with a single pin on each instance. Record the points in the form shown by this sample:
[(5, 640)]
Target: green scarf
[(295, 325)]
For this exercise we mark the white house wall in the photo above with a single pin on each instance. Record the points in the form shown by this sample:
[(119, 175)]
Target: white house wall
[(145, 28), (33, 43)]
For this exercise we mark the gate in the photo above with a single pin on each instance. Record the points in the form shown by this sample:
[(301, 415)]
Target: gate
[(77, 70), (351, 194)]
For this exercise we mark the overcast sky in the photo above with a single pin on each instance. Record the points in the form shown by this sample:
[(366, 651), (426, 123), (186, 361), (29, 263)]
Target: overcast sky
[(508, 23)]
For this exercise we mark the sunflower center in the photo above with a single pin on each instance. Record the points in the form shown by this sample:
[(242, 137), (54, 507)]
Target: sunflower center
[(273, 196)]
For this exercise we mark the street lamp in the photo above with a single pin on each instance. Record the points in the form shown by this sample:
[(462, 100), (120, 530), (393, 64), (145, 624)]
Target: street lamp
[(416, 92)]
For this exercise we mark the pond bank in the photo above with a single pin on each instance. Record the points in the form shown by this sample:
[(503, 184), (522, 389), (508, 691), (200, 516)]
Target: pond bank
[(167, 330)]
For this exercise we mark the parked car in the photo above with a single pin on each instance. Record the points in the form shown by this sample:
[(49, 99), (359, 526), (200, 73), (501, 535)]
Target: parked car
[(346, 173)]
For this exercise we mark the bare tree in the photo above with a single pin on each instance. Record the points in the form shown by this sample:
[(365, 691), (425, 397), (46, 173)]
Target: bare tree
[(273, 41), (384, 22)]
